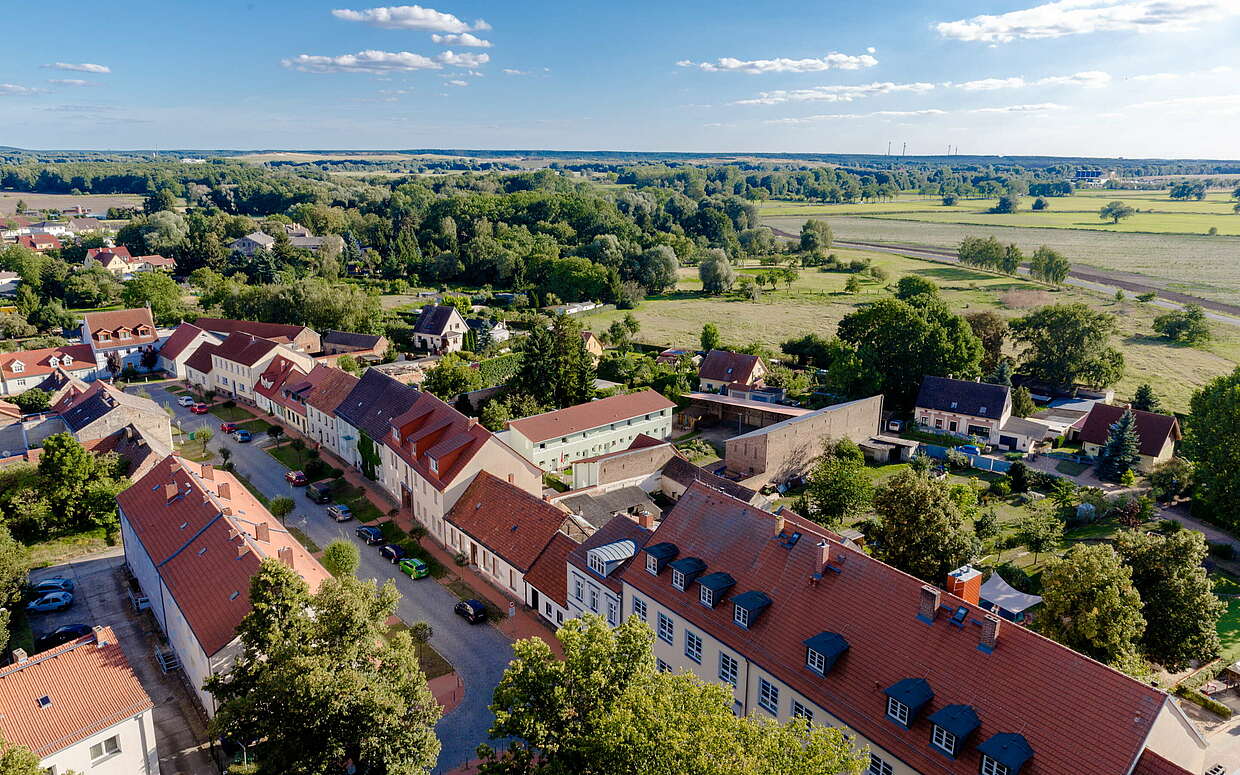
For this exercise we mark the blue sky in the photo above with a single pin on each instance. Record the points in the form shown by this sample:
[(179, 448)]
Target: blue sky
[(1149, 78)]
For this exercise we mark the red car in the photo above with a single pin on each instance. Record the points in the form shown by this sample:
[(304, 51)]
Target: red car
[(199, 409), (296, 478), (228, 427)]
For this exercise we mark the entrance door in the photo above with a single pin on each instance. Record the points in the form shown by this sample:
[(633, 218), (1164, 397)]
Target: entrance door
[(534, 598)]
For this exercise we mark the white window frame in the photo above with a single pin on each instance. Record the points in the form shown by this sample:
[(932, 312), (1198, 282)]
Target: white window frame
[(732, 672), (107, 747), (992, 767), (801, 711), (639, 608), (740, 616), (594, 598), (768, 696), (597, 565), (879, 767), (707, 596), (652, 564), (816, 661), (667, 628), (678, 579), (943, 740), (897, 711), (693, 646), (613, 612)]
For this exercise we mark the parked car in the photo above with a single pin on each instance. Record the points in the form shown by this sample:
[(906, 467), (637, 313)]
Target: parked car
[(472, 611), (50, 640), (370, 534), (392, 553), (320, 492), (186, 401), (49, 602), (295, 478), (969, 449), (228, 427), (340, 512), (413, 568), (199, 409), (54, 584), (242, 436)]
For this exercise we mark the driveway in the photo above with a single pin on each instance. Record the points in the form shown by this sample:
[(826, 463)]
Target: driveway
[(100, 600), (479, 653)]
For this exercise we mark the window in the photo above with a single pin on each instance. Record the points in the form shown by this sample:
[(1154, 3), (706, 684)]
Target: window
[(594, 598), (768, 696), (741, 616), (728, 668), (952, 426), (667, 630), (613, 612), (944, 740), (897, 710), (878, 767), (708, 597), (992, 767), (639, 608), (678, 579), (800, 711), (662, 666), (578, 589), (652, 564), (597, 565), (938, 422), (105, 748), (693, 646), (815, 661)]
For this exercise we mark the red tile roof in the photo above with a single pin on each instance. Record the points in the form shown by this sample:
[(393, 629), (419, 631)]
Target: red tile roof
[(180, 339), (1154, 429), (429, 432), (591, 414), (39, 362), (265, 330), (1151, 763), (507, 520), (331, 389), (1078, 715), (245, 349), (39, 242), (118, 319), (619, 528), (727, 366), (157, 260), (198, 548), (89, 683), (271, 382), (201, 359), (103, 254), (549, 573)]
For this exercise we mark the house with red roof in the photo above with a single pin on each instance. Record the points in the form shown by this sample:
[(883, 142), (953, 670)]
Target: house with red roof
[(79, 707), (300, 338), (239, 361), (272, 396), (329, 392), (178, 348), (39, 243), (548, 591), (1158, 433), (194, 536), (26, 369), (553, 440), (799, 623), (721, 368), (592, 583), (117, 260), (127, 333)]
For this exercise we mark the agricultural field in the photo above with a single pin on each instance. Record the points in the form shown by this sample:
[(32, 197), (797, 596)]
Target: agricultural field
[(816, 302), (97, 202)]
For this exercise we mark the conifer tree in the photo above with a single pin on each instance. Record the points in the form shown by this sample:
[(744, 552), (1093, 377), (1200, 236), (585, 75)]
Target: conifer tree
[(1121, 451)]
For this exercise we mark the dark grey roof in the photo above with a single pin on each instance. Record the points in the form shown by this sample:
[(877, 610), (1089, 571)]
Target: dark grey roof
[(913, 692), (374, 401), (102, 401), (433, 319), (683, 472), (349, 339), (598, 509), (976, 399), (960, 720)]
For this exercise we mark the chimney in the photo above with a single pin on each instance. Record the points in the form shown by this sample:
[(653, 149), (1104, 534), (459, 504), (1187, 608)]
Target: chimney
[(779, 524), (224, 491), (822, 556), (99, 639), (472, 422), (208, 472), (262, 532), (242, 549), (928, 605), (966, 584), (990, 633), (170, 490), (20, 656), (285, 555), (646, 519)]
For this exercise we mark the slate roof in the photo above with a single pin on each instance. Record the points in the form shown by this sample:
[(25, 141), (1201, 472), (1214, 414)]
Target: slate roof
[(196, 546), (549, 573), (36, 362), (598, 508), (89, 683), (591, 414), (1154, 429), (374, 402), (683, 472), (245, 349), (78, 410), (434, 319), (962, 396), (1027, 684), (618, 529), (349, 339), (505, 519), (180, 339), (727, 366)]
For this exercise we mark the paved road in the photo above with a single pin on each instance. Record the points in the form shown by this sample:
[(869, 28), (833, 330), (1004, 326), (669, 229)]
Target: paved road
[(480, 653)]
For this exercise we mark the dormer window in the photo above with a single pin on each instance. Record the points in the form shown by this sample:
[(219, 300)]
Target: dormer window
[(748, 606), (53, 361), (740, 616), (678, 579), (981, 410), (707, 597), (897, 711), (943, 740), (953, 404), (17, 366), (951, 727), (713, 587), (65, 360), (658, 555), (906, 698), (652, 564), (597, 565), (992, 767), (1004, 753)]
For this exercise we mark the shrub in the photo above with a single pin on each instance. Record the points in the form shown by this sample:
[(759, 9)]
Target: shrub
[(316, 469), (986, 526), (957, 459), (460, 559), (1019, 578), (1170, 526), (1001, 488), (1018, 474), (229, 404), (1197, 698)]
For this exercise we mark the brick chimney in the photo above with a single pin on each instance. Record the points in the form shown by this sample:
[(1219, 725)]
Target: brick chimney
[(779, 524), (990, 633), (242, 549), (170, 490), (646, 519), (285, 555), (224, 491), (966, 584), (262, 532), (928, 604), (822, 556), (208, 473)]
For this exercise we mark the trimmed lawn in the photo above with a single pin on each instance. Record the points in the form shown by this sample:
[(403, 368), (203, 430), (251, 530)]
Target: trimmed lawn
[(431, 661), (1070, 468), (195, 451), (291, 458), (231, 413), (256, 426), (1229, 623)]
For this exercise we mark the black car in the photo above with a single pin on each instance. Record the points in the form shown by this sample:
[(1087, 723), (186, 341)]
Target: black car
[(392, 552), (320, 492), (472, 611), (50, 640), (371, 535)]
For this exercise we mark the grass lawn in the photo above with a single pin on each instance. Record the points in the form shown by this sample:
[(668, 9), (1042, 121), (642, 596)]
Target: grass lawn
[(230, 413), (1070, 468), (1229, 623), (255, 426), (291, 458), (57, 550), (431, 661), (195, 451)]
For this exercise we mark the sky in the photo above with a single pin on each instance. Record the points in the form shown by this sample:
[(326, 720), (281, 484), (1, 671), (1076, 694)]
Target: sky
[(1132, 78)]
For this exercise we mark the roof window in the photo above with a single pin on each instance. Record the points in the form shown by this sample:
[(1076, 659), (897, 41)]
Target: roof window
[(823, 650), (44, 701), (952, 726), (906, 698)]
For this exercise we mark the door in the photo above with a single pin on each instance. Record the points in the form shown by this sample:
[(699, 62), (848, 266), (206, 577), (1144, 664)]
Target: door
[(534, 598), (473, 553)]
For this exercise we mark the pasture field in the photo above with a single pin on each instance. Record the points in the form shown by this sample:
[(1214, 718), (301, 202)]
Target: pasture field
[(97, 202), (816, 302)]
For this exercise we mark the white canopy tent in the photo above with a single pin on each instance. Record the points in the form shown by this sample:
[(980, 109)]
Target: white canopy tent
[(1003, 595)]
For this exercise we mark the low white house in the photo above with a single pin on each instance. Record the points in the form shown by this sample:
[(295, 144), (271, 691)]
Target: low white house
[(553, 440), (79, 707), (181, 346)]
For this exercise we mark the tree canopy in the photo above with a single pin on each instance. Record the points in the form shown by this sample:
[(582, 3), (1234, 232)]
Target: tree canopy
[(1065, 344), (920, 528), (1211, 438), (839, 486), (1089, 603)]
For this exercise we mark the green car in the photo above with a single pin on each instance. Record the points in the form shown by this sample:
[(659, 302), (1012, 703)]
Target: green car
[(414, 568)]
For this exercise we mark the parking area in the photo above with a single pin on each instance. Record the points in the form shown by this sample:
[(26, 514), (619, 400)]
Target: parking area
[(100, 598)]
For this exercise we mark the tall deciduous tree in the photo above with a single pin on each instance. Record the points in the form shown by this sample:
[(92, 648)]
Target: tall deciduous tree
[(1121, 453), (451, 377), (716, 272), (341, 557), (1211, 438), (1187, 325), (1177, 599), (920, 529), (815, 235), (1115, 211), (320, 681), (158, 290), (1069, 343), (991, 329), (1041, 531), (710, 339), (1049, 266), (1089, 603), (839, 487), (14, 564)]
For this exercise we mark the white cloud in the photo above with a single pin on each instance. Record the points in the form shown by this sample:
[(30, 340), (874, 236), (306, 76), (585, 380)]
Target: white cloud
[(1227, 104), (832, 61), (379, 62), (461, 39), (511, 71), (1039, 108), (1221, 69), (71, 82), (835, 93), (409, 17), (15, 90), (85, 67), (458, 83), (1081, 17), (1089, 79)]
